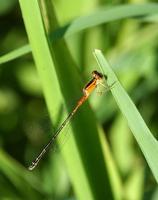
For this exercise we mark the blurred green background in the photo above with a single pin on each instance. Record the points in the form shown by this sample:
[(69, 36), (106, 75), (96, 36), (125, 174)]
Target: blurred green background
[(131, 46)]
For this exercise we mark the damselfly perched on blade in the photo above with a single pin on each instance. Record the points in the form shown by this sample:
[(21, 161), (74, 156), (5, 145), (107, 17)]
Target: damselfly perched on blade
[(97, 78)]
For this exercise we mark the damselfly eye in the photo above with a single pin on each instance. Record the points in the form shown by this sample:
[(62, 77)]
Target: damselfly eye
[(97, 75)]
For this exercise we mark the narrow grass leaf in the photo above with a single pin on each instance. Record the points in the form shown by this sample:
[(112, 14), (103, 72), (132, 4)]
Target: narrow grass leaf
[(102, 15), (59, 77), (26, 184), (15, 54), (141, 132)]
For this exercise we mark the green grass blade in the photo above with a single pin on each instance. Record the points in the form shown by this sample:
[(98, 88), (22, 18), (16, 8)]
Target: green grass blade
[(141, 132), (102, 15), (27, 185), (15, 54), (82, 153)]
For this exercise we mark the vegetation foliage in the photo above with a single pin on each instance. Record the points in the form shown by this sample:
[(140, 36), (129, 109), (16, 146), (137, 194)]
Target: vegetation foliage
[(45, 60)]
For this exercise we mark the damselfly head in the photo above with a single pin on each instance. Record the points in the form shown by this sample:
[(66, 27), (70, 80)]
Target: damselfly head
[(97, 75)]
